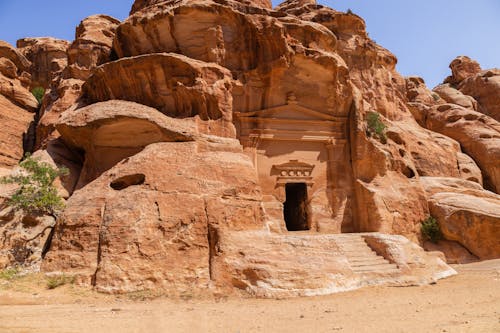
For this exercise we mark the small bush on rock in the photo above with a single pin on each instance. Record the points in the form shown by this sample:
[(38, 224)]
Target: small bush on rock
[(430, 229), (376, 127), (36, 192), (38, 92)]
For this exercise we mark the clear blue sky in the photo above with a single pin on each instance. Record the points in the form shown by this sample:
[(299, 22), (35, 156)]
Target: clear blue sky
[(425, 35)]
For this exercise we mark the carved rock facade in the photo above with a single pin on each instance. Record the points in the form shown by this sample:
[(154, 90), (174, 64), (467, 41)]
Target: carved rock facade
[(223, 144)]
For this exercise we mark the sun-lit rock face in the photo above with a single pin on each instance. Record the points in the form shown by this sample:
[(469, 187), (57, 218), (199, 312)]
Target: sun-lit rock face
[(177, 86), (201, 134), (17, 105)]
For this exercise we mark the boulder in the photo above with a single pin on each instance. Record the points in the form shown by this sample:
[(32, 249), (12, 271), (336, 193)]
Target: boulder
[(162, 241), (462, 67), (25, 238), (453, 251), (467, 214), (391, 204), (470, 220), (17, 93), (485, 89), (478, 135), (92, 45), (454, 96), (9, 52)]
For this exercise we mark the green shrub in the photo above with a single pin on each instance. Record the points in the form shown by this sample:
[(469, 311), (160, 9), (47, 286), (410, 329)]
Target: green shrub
[(430, 229), (38, 92), (36, 192), (9, 273), (59, 280), (349, 11), (436, 97), (375, 126)]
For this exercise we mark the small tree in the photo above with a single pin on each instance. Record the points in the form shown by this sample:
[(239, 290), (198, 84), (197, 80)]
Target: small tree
[(36, 192), (375, 126), (38, 92), (430, 229)]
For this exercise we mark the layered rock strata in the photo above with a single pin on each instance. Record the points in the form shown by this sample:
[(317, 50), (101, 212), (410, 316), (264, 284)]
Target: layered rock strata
[(197, 127)]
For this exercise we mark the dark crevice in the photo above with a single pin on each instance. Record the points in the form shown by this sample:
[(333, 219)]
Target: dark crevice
[(213, 241), (99, 247), (29, 137)]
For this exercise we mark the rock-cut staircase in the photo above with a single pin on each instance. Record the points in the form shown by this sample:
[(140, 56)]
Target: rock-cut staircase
[(362, 258)]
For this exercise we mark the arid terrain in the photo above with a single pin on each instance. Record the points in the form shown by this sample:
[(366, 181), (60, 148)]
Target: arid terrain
[(467, 302)]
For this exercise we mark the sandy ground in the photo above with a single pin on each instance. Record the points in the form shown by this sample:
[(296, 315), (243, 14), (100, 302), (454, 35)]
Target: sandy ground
[(468, 302)]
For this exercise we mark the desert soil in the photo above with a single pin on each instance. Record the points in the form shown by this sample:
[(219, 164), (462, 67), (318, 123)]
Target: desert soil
[(468, 302)]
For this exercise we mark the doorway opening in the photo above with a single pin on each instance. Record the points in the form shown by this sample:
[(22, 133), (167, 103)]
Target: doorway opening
[(295, 207)]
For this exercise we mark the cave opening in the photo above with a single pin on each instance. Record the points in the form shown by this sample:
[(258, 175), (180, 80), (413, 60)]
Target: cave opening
[(295, 207)]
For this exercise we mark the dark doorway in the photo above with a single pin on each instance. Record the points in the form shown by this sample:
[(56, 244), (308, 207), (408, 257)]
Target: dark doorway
[(295, 207)]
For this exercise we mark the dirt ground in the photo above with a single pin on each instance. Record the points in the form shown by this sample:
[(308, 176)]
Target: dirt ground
[(468, 302)]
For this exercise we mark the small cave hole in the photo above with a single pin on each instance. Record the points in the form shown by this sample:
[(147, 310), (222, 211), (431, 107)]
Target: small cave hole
[(128, 180), (485, 136), (396, 138), (408, 172), (444, 107), (470, 117), (473, 179), (402, 153), (454, 118)]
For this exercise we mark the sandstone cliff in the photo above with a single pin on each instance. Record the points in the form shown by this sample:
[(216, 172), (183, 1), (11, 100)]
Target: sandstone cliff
[(197, 127)]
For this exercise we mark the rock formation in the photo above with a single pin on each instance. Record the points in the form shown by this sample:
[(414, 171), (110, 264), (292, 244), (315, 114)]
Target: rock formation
[(200, 134), (17, 105)]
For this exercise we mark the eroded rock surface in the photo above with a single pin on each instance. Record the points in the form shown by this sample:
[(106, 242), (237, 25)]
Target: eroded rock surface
[(165, 233), (201, 133), (17, 105), (179, 87)]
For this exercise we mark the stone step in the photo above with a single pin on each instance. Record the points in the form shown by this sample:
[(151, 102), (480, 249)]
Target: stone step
[(359, 252), (367, 261), (375, 268)]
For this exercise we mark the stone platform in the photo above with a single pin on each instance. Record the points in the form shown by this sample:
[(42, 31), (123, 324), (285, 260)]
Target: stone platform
[(305, 264)]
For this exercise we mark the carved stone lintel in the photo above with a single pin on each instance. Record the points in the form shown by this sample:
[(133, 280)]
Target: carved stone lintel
[(294, 172)]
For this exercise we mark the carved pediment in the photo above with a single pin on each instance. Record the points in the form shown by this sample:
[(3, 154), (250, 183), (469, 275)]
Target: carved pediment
[(287, 112)]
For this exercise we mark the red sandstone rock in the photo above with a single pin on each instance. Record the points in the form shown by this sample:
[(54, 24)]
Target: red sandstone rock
[(479, 136), (110, 131), (14, 123), (485, 89), (14, 55), (297, 84), (91, 48), (470, 220), (16, 105), (466, 213), (48, 59), (454, 96), (462, 68), (453, 251), (178, 86), (144, 4), (171, 216)]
